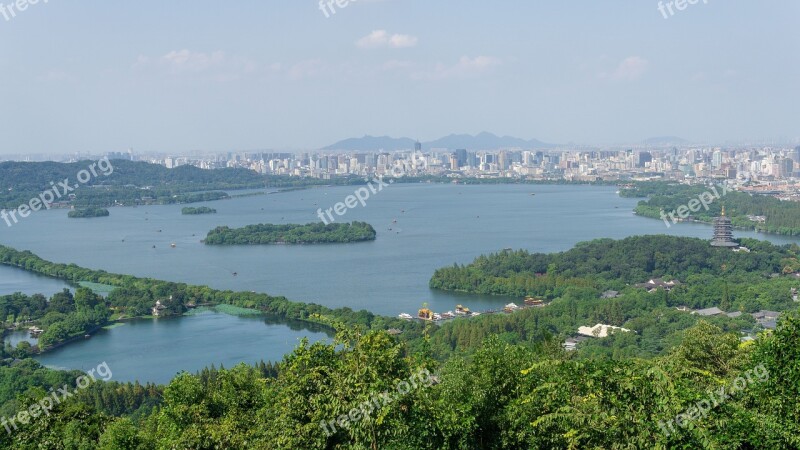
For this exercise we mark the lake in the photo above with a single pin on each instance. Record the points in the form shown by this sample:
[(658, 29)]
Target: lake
[(157, 350), (14, 280), (421, 227)]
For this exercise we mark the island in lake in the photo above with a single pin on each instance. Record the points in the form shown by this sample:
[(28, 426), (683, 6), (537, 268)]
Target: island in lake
[(84, 213), (312, 233), (190, 211)]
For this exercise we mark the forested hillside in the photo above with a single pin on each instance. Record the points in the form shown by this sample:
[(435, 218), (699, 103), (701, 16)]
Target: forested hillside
[(126, 183), (782, 217), (366, 391)]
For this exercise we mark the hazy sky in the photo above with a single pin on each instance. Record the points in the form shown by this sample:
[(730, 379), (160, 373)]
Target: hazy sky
[(178, 75)]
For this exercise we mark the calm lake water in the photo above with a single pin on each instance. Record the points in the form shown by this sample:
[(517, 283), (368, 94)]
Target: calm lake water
[(14, 280), (157, 350), (421, 227)]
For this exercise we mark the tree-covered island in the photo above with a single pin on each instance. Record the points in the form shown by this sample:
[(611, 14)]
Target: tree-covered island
[(312, 233), (190, 211), (86, 213)]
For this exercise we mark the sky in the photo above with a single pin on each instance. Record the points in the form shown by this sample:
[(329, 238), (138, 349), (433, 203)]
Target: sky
[(200, 75)]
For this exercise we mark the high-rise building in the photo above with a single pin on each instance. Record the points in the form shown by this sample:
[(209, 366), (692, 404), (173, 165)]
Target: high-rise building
[(417, 146), (716, 159), (785, 167), (502, 161), (461, 157), (643, 158)]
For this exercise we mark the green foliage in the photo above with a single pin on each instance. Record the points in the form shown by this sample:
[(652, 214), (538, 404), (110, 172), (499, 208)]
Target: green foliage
[(575, 279), (504, 382), (131, 183), (504, 396), (781, 217), (190, 211), (86, 314), (606, 264), (83, 213), (134, 297), (312, 233)]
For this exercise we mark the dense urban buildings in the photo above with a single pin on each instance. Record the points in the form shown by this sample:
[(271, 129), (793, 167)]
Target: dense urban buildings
[(766, 170)]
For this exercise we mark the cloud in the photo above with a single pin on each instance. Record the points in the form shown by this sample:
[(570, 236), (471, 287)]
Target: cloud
[(306, 69), (630, 69), (465, 67), (142, 61), (382, 38), (214, 66), (180, 60), (402, 41)]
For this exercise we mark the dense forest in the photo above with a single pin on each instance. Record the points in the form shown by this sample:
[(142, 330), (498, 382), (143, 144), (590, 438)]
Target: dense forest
[(83, 213), (190, 211), (574, 282), (613, 264), (782, 217), (65, 316), (366, 390), (130, 183), (312, 233)]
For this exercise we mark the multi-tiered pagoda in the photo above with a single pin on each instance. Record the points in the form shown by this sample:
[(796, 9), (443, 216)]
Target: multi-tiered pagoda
[(723, 232)]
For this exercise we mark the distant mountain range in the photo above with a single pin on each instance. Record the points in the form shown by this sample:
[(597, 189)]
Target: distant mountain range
[(481, 141)]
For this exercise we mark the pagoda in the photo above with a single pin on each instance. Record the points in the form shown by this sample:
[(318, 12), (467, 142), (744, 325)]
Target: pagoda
[(723, 232)]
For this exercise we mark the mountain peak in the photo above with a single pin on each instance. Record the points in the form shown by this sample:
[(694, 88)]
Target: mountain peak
[(482, 141)]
